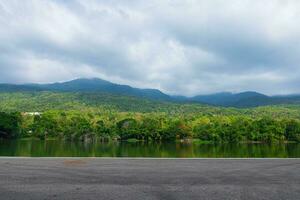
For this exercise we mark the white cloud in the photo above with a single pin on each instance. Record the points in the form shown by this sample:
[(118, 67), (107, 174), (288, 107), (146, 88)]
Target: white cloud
[(180, 46)]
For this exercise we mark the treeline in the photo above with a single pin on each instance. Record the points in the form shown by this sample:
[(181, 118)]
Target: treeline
[(76, 125)]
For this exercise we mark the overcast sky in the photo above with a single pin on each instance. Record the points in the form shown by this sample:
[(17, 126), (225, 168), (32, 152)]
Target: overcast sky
[(183, 47)]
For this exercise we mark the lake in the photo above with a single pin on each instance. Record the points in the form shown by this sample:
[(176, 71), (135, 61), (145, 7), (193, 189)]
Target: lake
[(58, 148)]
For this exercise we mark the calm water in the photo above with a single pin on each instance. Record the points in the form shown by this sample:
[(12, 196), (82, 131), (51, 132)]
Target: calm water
[(56, 148)]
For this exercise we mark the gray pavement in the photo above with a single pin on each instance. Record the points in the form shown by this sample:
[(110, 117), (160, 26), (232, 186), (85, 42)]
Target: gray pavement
[(98, 178)]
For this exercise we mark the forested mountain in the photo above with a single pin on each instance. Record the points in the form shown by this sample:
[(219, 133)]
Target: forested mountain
[(99, 85), (88, 85), (245, 99), (18, 88), (95, 85)]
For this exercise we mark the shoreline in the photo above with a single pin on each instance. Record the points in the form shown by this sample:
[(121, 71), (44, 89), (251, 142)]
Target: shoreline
[(143, 158), (187, 141)]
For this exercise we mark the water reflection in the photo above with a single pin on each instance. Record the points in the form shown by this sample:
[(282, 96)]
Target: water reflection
[(57, 148)]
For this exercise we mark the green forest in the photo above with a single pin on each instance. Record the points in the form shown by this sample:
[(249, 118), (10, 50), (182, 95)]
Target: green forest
[(101, 116)]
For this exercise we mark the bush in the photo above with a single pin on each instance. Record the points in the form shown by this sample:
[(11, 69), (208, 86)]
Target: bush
[(9, 125)]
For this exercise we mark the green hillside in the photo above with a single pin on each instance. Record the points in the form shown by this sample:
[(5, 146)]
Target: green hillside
[(87, 116), (44, 101), (95, 88)]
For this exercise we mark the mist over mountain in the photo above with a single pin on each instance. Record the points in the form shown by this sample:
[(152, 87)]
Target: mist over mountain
[(96, 85)]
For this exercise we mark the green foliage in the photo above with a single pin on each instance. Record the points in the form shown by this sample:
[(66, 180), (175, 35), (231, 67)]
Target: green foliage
[(268, 130), (151, 128), (82, 116), (292, 131), (9, 125), (45, 126), (128, 129), (101, 130), (177, 129)]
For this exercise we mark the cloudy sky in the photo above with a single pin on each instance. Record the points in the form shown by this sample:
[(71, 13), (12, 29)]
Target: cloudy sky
[(179, 46)]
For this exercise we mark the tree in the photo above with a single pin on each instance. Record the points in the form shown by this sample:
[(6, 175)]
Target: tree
[(204, 129), (150, 128), (79, 127), (9, 125), (101, 130), (45, 125), (269, 130), (177, 129), (128, 129), (292, 131)]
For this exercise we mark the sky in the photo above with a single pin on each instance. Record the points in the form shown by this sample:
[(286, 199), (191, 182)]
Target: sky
[(182, 47)]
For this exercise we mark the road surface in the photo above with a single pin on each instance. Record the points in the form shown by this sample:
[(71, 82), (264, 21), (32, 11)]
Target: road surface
[(98, 178)]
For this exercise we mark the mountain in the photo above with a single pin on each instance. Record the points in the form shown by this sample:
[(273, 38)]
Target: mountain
[(88, 85), (17, 88), (244, 99), (215, 99), (95, 85)]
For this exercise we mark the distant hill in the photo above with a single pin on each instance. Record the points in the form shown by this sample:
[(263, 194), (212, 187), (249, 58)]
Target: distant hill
[(17, 88), (88, 85), (95, 85), (244, 99)]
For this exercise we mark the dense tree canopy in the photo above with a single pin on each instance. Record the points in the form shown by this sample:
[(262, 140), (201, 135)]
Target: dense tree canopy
[(9, 125), (76, 125), (74, 116)]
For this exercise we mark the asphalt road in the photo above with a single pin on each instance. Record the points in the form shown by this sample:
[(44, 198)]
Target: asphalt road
[(96, 178)]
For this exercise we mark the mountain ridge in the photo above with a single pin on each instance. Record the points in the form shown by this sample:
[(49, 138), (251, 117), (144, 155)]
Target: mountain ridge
[(226, 99), (88, 85)]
